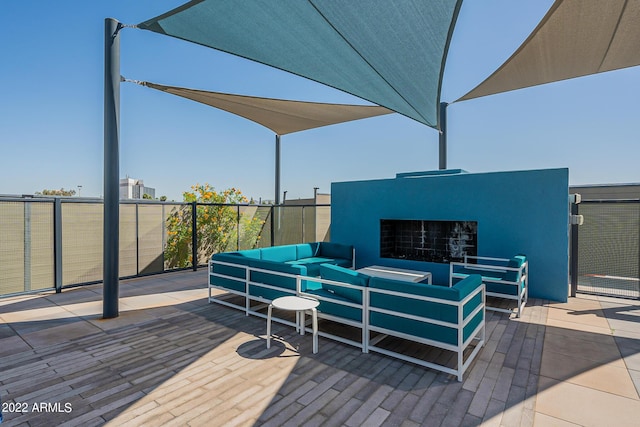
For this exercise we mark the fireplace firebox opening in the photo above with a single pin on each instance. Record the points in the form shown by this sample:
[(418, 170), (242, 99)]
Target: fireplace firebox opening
[(428, 240)]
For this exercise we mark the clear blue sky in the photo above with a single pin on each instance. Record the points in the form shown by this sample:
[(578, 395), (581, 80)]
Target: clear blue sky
[(51, 110)]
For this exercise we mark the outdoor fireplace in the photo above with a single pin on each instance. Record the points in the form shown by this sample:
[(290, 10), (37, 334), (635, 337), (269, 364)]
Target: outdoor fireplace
[(428, 240)]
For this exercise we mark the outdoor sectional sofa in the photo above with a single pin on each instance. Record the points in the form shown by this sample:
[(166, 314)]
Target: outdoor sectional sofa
[(450, 318), (505, 278), (265, 274)]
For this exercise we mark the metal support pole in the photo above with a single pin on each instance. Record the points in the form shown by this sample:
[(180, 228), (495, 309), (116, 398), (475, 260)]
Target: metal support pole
[(137, 238), (315, 214), (277, 199), (111, 168), (573, 253), (194, 235), (163, 224), (237, 228), (303, 226), (57, 244), (443, 135), (273, 225)]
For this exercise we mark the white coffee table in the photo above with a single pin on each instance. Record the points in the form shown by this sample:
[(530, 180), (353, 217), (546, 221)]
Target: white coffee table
[(396, 273), (300, 305)]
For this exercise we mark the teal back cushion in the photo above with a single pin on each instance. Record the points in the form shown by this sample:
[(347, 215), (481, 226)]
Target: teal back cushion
[(515, 262), (276, 279), (335, 250), (503, 289), (279, 253), (408, 305), (340, 274), (240, 257), (306, 250), (427, 309), (431, 310), (250, 253)]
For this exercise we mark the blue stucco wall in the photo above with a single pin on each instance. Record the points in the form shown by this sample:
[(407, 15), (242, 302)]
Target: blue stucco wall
[(517, 212)]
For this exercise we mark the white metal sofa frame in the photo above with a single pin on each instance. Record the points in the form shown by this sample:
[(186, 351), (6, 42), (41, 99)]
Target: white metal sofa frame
[(461, 344), (245, 294), (248, 298), (367, 343), (485, 267)]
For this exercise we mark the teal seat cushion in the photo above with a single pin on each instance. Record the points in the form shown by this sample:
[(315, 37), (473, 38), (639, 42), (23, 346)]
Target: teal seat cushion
[(342, 262), (279, 253), (335, 250), (487, 277), (310, 285), (413, 327), (312, 264), (341, 274), (462, 270), (500, 288)]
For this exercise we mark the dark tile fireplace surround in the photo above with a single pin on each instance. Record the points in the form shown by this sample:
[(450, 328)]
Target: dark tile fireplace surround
[(428, 240)]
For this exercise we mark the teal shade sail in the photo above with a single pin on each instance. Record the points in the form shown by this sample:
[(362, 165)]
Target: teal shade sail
[(391, 53)]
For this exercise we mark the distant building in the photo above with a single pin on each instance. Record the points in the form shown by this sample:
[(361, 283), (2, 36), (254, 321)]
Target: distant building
[(607, 191), (134, 189), (316, 220)]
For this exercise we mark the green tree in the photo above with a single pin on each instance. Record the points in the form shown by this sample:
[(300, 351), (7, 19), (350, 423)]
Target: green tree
[(217, 225), (60, 192)]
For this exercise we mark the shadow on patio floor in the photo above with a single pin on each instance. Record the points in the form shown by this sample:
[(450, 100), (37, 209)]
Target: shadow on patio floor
[(173, 358)]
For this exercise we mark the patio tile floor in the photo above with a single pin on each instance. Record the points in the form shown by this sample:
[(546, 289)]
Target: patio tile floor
[(173, 359), (584, 379)]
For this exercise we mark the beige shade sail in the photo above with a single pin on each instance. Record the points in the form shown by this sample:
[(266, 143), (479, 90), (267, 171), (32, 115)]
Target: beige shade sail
[(279, 115), (575, 38)]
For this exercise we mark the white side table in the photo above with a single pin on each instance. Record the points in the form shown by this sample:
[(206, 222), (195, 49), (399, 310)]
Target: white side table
[(299, 305)]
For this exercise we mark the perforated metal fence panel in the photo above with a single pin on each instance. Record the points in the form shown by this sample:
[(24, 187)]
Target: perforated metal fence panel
[(154, 237), (81, 242), (11, 247), (128, 241), (39, 248), (609, 248), (151, 219)]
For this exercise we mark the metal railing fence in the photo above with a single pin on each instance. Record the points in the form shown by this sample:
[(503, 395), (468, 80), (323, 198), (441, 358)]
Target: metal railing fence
[(52, 243), (609, 248)]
